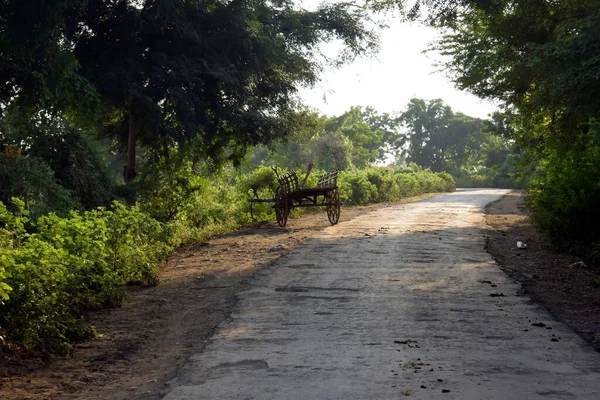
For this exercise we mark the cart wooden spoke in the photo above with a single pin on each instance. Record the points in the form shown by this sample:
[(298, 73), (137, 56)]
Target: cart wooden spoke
[(289, 196)]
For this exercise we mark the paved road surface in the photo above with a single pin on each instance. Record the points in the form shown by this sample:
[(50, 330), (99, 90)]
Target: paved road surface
[(401, 302)]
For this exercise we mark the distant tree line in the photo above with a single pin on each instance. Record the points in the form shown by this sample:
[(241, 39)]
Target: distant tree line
[(427, 132)]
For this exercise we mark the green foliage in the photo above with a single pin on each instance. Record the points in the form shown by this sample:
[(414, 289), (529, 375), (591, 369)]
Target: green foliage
[(195, 199), (565, 200), (437, 137), (355, 139), (171, 71), (385, 182), (371, 134), (332, 151), (162, 73), (513, 172), (261, 182), (541, 60), (32, 180), (61, 266), (76, 163), (59, 167), (408, 184), (476, 153), (355, 188), (379, 184), (37, 67), (169, 190), (70, 265)]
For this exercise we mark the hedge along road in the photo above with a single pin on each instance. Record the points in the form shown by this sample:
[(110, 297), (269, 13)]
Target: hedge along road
[(403, 301)]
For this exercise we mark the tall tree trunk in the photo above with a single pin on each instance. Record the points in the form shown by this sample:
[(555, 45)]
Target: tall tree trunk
[(130, 169)]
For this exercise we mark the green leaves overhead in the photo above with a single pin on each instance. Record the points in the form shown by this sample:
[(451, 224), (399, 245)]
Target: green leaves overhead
[(226, 71), (37, 66)]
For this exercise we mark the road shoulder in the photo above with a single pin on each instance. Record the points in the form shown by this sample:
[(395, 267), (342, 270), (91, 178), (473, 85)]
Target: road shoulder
[(567, 286)]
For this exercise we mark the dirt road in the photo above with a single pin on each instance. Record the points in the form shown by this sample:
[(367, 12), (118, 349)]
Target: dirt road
[(403, 301)]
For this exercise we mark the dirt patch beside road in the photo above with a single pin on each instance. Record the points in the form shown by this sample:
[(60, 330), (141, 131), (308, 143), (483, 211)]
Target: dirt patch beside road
[(559, 282)]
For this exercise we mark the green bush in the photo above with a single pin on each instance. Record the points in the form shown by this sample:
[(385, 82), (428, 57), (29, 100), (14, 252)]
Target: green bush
[(32, 180), (564, 198), (65, 265), (355, 188), (408, 183), (385, 182), (512, 173), (169, 191), (261, 182), (197, 201), (68, 266), (447, 183), (378, 184), (77, 165)]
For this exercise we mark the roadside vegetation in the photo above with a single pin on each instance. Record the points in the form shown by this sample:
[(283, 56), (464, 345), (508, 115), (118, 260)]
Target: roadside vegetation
[(54, 268), (126, 130)]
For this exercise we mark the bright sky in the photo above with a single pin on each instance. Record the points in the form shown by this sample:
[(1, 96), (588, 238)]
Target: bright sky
[(399, 72)]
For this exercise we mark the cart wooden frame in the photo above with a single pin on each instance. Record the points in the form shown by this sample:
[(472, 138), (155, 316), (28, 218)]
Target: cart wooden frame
[(290, 195)]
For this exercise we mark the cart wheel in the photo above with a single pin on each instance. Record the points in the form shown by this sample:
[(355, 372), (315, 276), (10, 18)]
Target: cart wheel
[(333, 207), (281, 206)]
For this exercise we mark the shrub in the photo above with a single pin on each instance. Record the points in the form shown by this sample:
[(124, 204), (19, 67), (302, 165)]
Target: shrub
[(77, 165), (408, 183), (564, 198), (512, 173), (32, 180), (68, 264), (447, 183), (383, 179), (169, 190), (261, 182), (71, 265), (379, 184), (355, 188)]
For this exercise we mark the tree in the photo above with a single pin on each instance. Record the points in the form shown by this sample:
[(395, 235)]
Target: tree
[(539, 58), (331, 151), (225, 71), (172, 70), (37, 65), (389, 126), (372, 135), (293, 151), (437, 138), (465, 141), (357, 138)]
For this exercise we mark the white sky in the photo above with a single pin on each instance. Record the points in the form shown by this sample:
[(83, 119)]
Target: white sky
[(399, 72)]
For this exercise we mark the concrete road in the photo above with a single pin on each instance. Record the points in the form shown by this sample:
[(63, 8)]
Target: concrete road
[(401, 302)]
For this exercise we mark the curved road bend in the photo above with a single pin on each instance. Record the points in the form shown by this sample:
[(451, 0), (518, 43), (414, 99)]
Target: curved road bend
[(403, 301)]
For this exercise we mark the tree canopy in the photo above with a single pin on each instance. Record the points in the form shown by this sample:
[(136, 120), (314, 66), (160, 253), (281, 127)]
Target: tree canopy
[(171, 70), (437, 138), (37, 66), (357, 138)]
